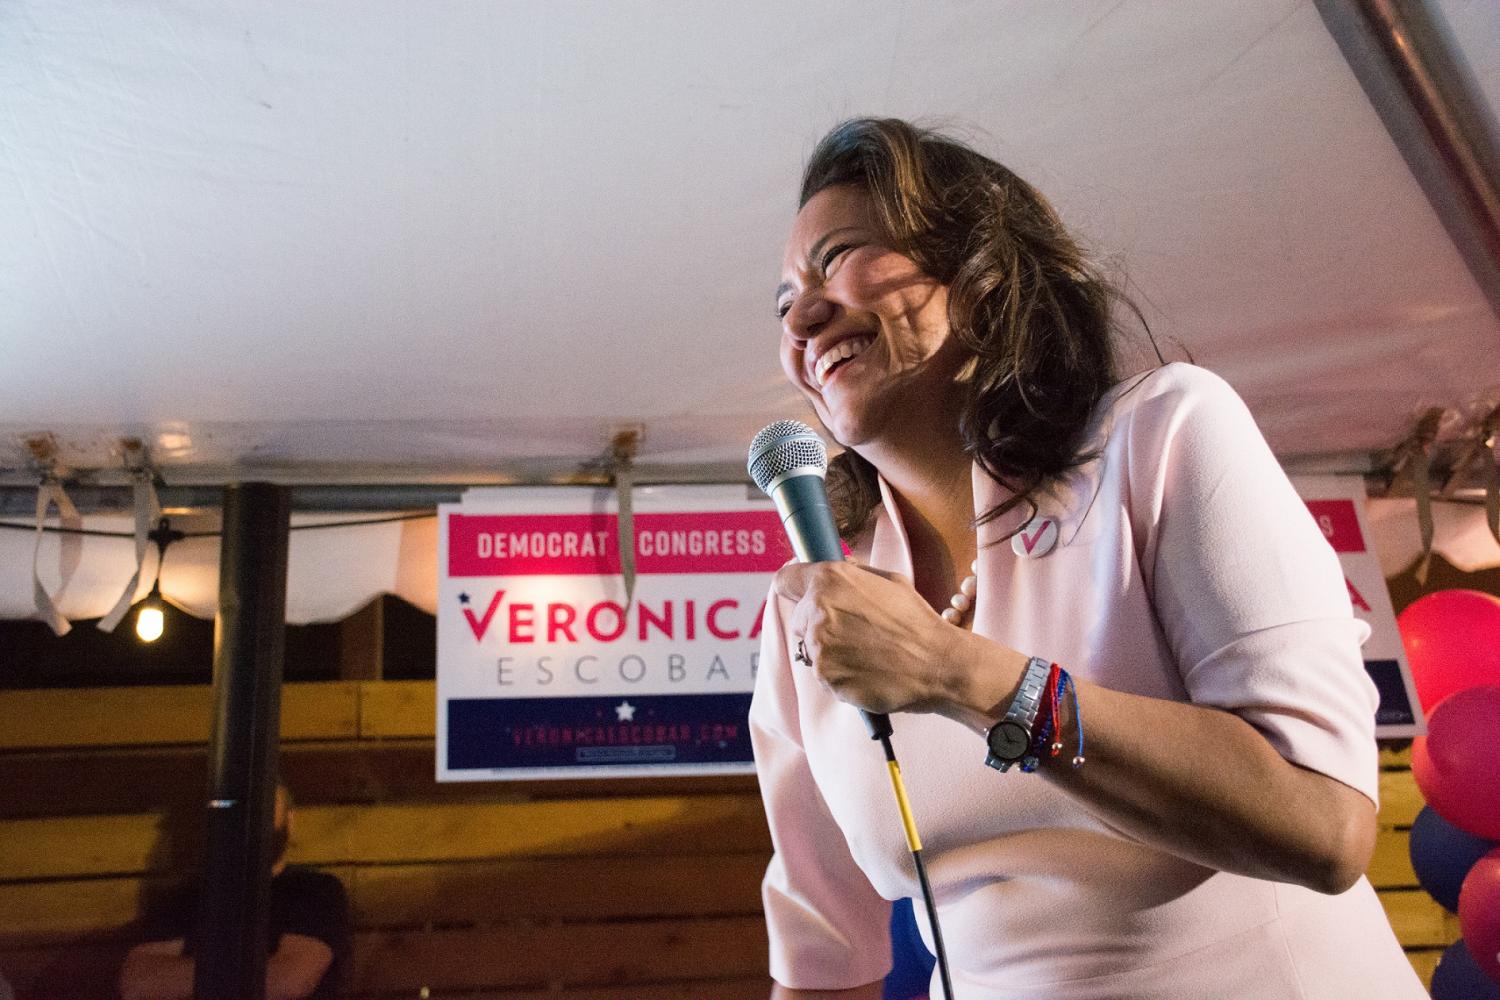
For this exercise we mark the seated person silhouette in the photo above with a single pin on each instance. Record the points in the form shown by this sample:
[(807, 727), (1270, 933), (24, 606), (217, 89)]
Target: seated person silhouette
[(308, 932)]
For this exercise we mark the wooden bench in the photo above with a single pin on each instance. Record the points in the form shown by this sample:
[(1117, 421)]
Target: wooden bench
[(565, 889)]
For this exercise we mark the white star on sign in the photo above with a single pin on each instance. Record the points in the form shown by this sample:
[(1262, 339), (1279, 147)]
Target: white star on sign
[(626, 712)]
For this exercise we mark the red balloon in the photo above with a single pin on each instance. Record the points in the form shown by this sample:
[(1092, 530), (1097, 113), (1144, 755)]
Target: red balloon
[(1479, 913), (1452, 640), (1457, 764)]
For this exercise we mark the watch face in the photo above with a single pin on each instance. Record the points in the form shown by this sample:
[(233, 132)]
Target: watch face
[(1009, 740)]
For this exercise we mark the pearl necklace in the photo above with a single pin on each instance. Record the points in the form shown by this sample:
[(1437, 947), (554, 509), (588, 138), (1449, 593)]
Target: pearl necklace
[(961, 602)]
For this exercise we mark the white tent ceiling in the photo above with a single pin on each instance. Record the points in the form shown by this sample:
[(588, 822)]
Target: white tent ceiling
[(347, 242)]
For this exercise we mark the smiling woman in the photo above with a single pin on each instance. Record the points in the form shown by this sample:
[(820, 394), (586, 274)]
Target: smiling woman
[(1120, 558), (978, 252), (866, 329)]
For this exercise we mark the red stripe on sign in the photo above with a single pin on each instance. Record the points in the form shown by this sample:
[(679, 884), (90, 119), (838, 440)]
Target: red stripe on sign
[(735, 541), (1340, 524)]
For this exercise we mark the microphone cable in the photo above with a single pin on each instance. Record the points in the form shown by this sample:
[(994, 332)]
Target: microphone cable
[(914, 842)]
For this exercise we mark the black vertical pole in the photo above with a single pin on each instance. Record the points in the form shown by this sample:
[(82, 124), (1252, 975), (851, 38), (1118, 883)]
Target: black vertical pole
[(249, 648)]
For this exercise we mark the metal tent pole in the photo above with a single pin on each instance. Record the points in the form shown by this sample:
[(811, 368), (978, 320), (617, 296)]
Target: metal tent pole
[(249, 649), (1414, 73)]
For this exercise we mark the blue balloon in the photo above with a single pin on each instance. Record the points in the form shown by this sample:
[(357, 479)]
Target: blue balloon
[(1442, 854), (1459, 977)]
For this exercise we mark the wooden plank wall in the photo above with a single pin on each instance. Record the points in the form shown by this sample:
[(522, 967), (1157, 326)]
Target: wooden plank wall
[(1423, 927), (572, 890)]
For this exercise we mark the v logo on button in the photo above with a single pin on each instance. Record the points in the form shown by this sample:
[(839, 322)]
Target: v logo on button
[(1030, 540)]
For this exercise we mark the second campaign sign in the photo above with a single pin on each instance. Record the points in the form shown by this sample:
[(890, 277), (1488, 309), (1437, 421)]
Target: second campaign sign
[(545, 669)]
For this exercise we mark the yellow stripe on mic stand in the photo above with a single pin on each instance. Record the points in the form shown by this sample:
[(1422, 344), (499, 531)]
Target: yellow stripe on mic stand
[(912, 840)]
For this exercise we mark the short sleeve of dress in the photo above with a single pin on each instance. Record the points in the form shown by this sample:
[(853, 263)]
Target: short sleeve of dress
[(313, 904), (1251, 597), (170, 913), (828, 927)]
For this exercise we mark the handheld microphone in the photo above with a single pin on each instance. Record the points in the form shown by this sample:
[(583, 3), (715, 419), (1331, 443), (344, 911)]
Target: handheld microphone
[(789, 462)]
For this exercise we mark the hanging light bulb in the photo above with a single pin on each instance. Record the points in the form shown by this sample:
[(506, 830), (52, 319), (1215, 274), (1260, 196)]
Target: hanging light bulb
[(150, 620)]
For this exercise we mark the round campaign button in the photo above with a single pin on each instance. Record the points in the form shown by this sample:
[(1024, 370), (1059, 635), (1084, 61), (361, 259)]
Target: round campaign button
[(1036, 539)]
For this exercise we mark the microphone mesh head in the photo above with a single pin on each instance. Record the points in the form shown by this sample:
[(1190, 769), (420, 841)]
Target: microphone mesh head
[(782, 447)]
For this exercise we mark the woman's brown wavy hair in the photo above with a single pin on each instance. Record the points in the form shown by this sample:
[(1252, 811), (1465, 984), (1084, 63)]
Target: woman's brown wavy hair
[(1022, 297)]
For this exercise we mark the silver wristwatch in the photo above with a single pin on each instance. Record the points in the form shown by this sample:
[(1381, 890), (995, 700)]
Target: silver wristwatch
[(1009, 739)]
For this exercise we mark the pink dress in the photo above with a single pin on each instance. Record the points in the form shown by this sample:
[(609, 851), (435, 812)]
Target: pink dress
[(1186, 568)]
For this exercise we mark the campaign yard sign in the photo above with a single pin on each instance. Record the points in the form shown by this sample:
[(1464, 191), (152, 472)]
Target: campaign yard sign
[(1337, 503), (545, 669)]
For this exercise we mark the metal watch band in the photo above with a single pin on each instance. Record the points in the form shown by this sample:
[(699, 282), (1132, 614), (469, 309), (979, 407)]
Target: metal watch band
[(1024, 707)]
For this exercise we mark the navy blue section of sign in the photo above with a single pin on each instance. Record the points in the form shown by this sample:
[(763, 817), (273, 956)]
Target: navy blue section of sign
[(495, 733), (1395, 709)]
